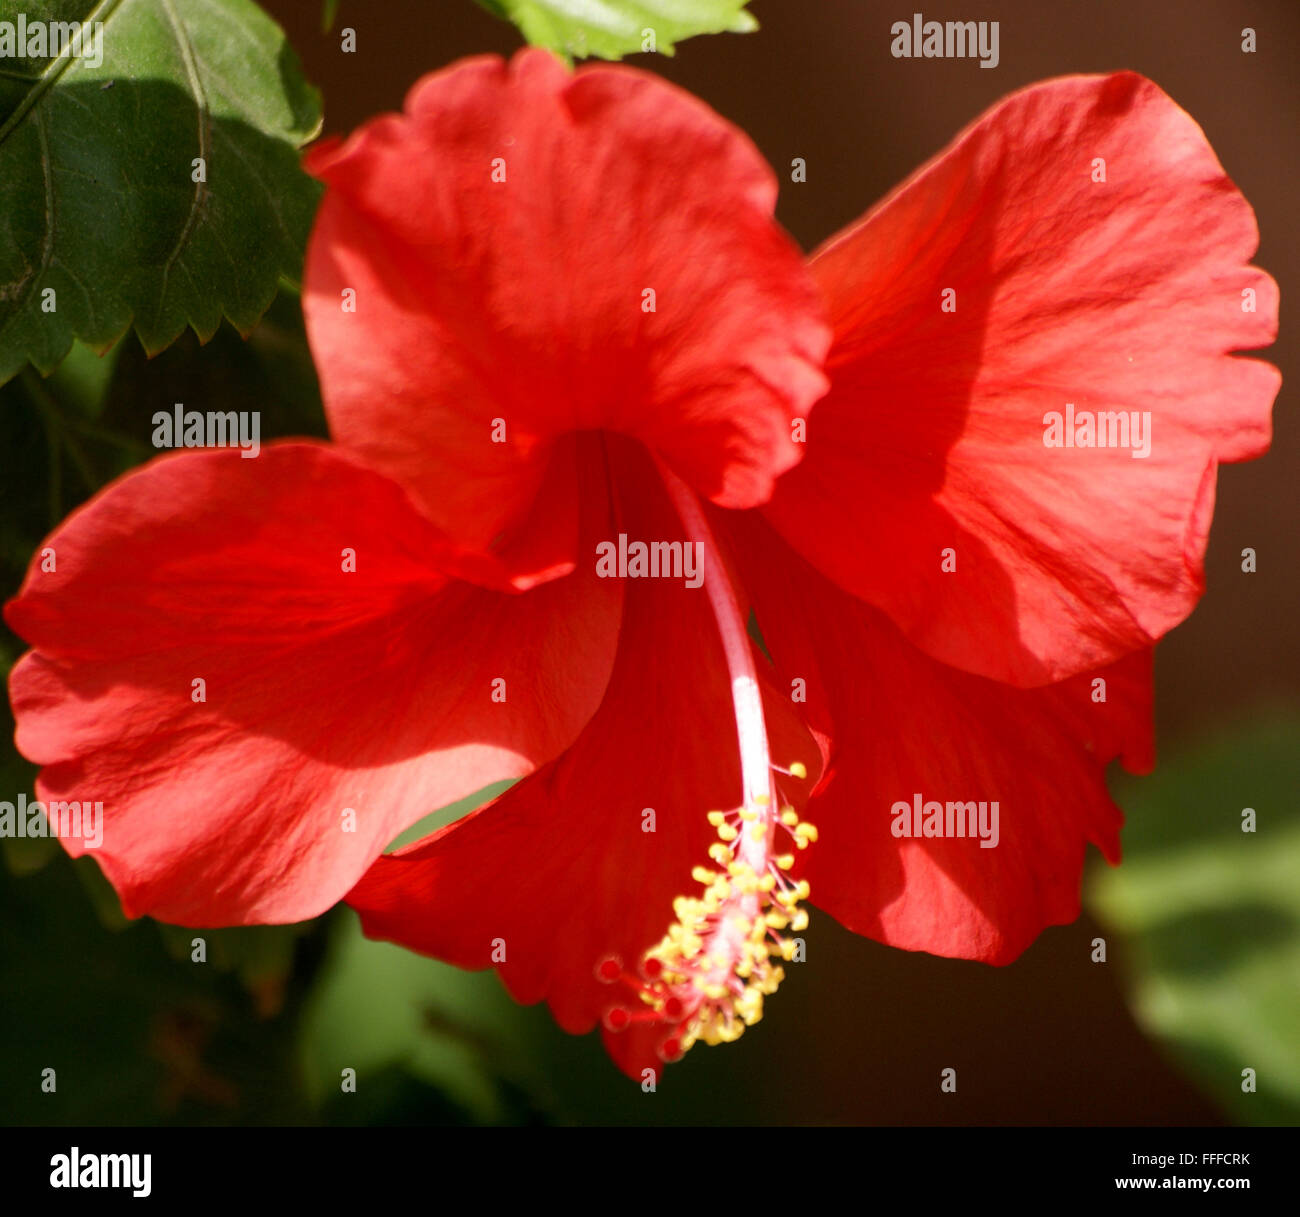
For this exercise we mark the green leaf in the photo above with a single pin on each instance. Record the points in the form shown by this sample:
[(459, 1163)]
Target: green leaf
[(379, 1007), (611, 29), (1211, 914), (98, 203)]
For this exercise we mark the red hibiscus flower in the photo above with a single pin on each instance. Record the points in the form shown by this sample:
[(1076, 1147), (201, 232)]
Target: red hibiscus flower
[(561, 338)]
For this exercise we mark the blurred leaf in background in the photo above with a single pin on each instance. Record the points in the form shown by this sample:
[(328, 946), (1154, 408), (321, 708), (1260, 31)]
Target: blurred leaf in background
[(138, 1034), (614, 28), (1211, 914), (146, 1023), (396, 1017), (153, 178)]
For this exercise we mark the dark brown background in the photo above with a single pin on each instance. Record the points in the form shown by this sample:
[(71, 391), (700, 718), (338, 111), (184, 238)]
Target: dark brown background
[(863, 1035)]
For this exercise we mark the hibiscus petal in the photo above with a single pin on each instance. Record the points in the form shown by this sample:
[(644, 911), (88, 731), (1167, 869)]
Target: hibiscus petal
[(524, 299), (325, 689), (1122, 295), (559, 872), (901, 725)]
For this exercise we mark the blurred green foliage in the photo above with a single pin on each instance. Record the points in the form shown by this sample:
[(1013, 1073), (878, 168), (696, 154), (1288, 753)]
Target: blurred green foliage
[(1211, 914)]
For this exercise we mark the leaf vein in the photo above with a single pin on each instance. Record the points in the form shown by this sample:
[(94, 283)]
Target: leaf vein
[(52, 73), (186, 48)]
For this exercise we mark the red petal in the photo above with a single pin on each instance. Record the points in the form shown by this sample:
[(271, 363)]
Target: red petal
[(325, 690), (522, 300), (558, 869), (1125, 295), (903, 724)]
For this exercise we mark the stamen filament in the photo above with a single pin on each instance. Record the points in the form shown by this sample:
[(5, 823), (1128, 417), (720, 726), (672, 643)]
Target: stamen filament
[(708, 977), (751, 726)]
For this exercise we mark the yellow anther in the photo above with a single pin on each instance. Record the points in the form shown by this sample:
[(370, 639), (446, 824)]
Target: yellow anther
[(799, 770), (725, 943)]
